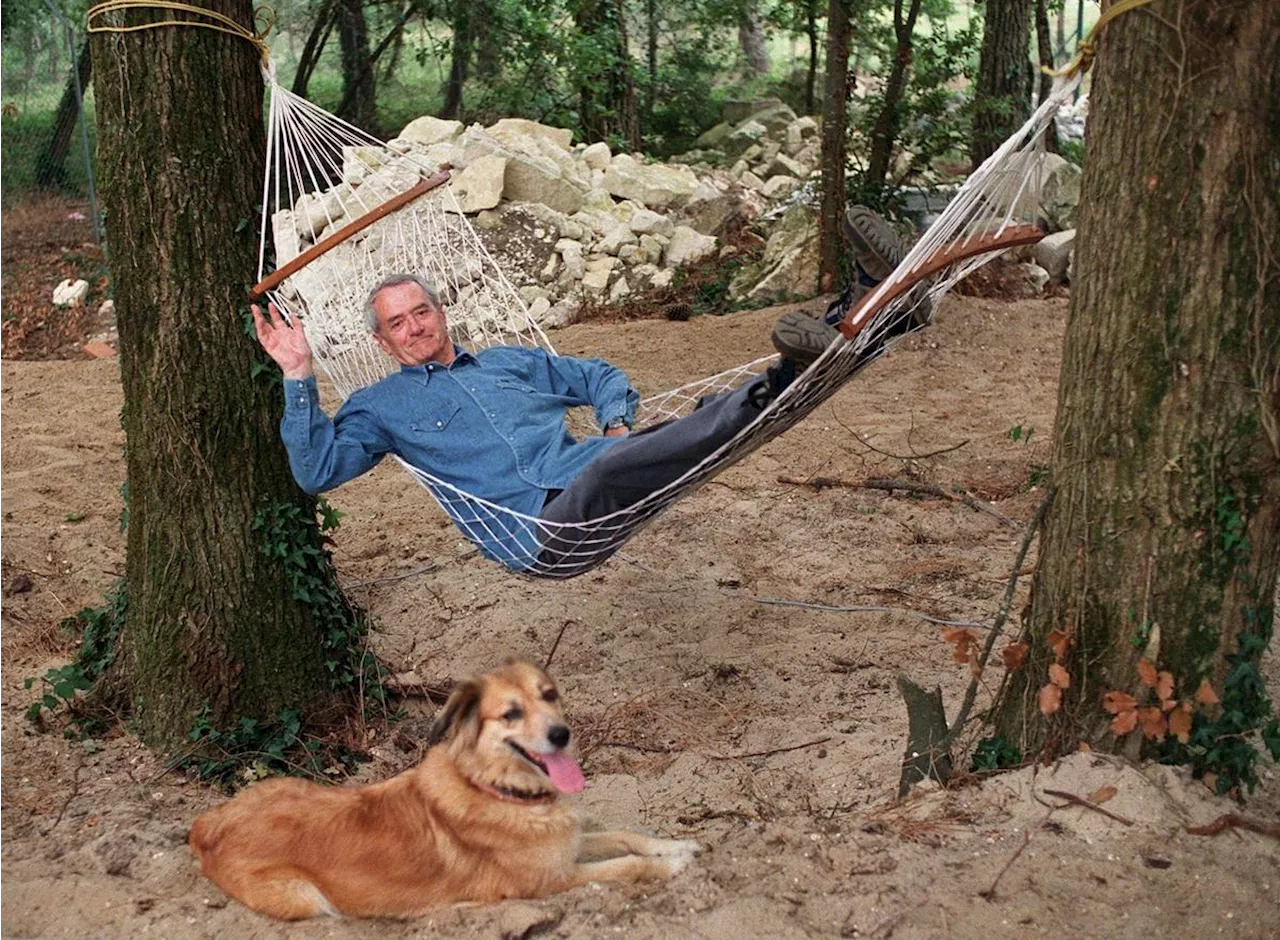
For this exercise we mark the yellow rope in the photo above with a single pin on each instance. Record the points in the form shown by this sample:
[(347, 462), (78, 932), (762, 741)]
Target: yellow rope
[(213, 20), (1089, 47)]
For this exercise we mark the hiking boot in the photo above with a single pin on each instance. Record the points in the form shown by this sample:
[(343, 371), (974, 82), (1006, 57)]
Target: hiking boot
[(801, 338), (877, 250)]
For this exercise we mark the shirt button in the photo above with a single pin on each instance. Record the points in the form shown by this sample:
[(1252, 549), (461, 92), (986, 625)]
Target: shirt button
[(439, 424)]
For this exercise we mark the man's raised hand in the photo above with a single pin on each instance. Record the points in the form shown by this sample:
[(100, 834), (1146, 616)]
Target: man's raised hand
[(286, 343)]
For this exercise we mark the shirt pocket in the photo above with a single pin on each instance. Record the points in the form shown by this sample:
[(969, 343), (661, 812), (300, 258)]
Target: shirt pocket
[(517, 385), (436, 420)]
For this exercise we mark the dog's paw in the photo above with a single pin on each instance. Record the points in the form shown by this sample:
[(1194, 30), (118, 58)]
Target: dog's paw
[(672, 865), (681, 847)]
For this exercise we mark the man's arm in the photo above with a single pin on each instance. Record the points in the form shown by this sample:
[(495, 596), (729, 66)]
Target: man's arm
[(323, 453), (594, 382)]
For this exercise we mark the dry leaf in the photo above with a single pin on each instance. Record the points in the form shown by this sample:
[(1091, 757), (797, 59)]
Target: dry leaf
[(1153, 723), (1164, 686), (1210, 780), (1050, 699), (964, 639), (1168, 704), (1084, 747), (1015, 655), (1205, 694), (1102, 794), (1180, 722), (1147, 672), (1059, 676), (1113, 703), (1124, 722)]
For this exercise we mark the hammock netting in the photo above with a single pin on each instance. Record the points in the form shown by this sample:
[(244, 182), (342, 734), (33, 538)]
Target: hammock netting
[(326, 178)]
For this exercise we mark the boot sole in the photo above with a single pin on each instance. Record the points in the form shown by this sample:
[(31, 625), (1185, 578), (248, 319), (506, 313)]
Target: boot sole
[(802, 338), (875, 244)]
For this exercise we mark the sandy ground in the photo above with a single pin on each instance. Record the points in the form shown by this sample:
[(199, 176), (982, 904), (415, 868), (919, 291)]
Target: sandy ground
[(771, 734)]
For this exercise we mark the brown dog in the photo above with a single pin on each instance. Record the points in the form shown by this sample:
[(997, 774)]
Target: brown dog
[(478, 820)]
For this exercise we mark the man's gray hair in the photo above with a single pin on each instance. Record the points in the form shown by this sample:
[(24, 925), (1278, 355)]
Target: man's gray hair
[(395, 280)]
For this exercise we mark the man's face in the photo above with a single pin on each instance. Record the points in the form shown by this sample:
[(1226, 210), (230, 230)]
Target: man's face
[(411, 329)]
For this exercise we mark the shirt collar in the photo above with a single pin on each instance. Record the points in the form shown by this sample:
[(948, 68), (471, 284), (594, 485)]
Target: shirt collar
[(459, 355)]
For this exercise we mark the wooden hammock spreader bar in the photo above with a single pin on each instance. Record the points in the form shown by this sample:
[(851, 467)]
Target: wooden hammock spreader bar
[(860, 315), (272, 280)]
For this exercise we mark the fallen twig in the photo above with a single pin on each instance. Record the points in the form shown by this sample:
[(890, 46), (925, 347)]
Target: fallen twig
[(1002, 614), (854, 609), (990, 893), (1081, 801), (1235, 821), (907, 486), (776, 750), (425, 569), (556, 645), (933, 453), (75, 789)]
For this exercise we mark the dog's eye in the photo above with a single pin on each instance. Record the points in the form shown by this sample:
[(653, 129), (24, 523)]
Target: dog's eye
[(550, 695), (513, 714)]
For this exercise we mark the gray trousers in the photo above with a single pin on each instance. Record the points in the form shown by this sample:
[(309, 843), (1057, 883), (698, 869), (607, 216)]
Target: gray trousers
[(640, 464)]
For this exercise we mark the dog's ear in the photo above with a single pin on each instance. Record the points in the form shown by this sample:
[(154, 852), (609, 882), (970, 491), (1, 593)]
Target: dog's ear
[(462, 705)]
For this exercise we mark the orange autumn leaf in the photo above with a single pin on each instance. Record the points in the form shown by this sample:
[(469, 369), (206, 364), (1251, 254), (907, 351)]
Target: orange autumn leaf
[(1102, 794), (1147, 672), (1113, 703), (1059, 641), (1124, 722), (1164, 686), (1084, 747), (964, 639), (1050, 699), (1059, 676), (1168, 704), (1180, 722), (1015, 656), (1205, 694), (1153, 723)]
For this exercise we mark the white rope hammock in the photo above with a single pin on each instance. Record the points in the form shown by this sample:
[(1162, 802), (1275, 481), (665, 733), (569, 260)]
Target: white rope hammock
[(326, 178)]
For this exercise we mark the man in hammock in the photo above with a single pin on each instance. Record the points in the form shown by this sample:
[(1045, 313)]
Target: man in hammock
[(492, 423)]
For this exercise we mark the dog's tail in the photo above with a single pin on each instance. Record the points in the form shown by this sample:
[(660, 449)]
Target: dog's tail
[(204, 836)]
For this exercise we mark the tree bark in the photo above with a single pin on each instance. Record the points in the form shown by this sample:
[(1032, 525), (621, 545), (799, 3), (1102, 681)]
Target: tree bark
[(358, 83), (211, 625), (834, 118), (751, 39), (885, 132), (51, 165), (1002, 96), (1163, 541)]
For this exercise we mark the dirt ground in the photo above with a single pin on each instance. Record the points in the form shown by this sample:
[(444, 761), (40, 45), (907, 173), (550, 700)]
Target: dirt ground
[(719, 686)]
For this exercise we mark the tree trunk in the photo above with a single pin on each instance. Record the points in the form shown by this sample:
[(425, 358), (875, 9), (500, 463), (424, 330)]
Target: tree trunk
[(312, 48), (358, 84), (1044, 45), (212, 624), (651, 55), (51, 165), (460, 56), (1163, 541), (885, 132), (834, 115), (811, 79), (606, 89), (1001, 98), (751, 38)]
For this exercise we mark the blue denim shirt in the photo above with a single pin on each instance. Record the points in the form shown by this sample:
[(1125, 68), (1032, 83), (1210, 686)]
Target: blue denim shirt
[(491, 424)]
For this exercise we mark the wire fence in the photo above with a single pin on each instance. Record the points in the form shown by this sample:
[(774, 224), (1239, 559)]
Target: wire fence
[(47, 132)]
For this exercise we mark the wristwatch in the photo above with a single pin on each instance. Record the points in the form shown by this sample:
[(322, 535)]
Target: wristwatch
[(619, 422)]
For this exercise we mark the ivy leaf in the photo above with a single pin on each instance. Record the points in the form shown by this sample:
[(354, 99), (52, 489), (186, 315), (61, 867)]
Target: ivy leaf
[(1059, 676), (1015, 656), (1114, 702), (1049, 699), (1205, 694), (1124, 722)]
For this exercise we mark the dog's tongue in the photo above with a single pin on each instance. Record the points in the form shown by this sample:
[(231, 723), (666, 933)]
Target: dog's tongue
[(564, 772)]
